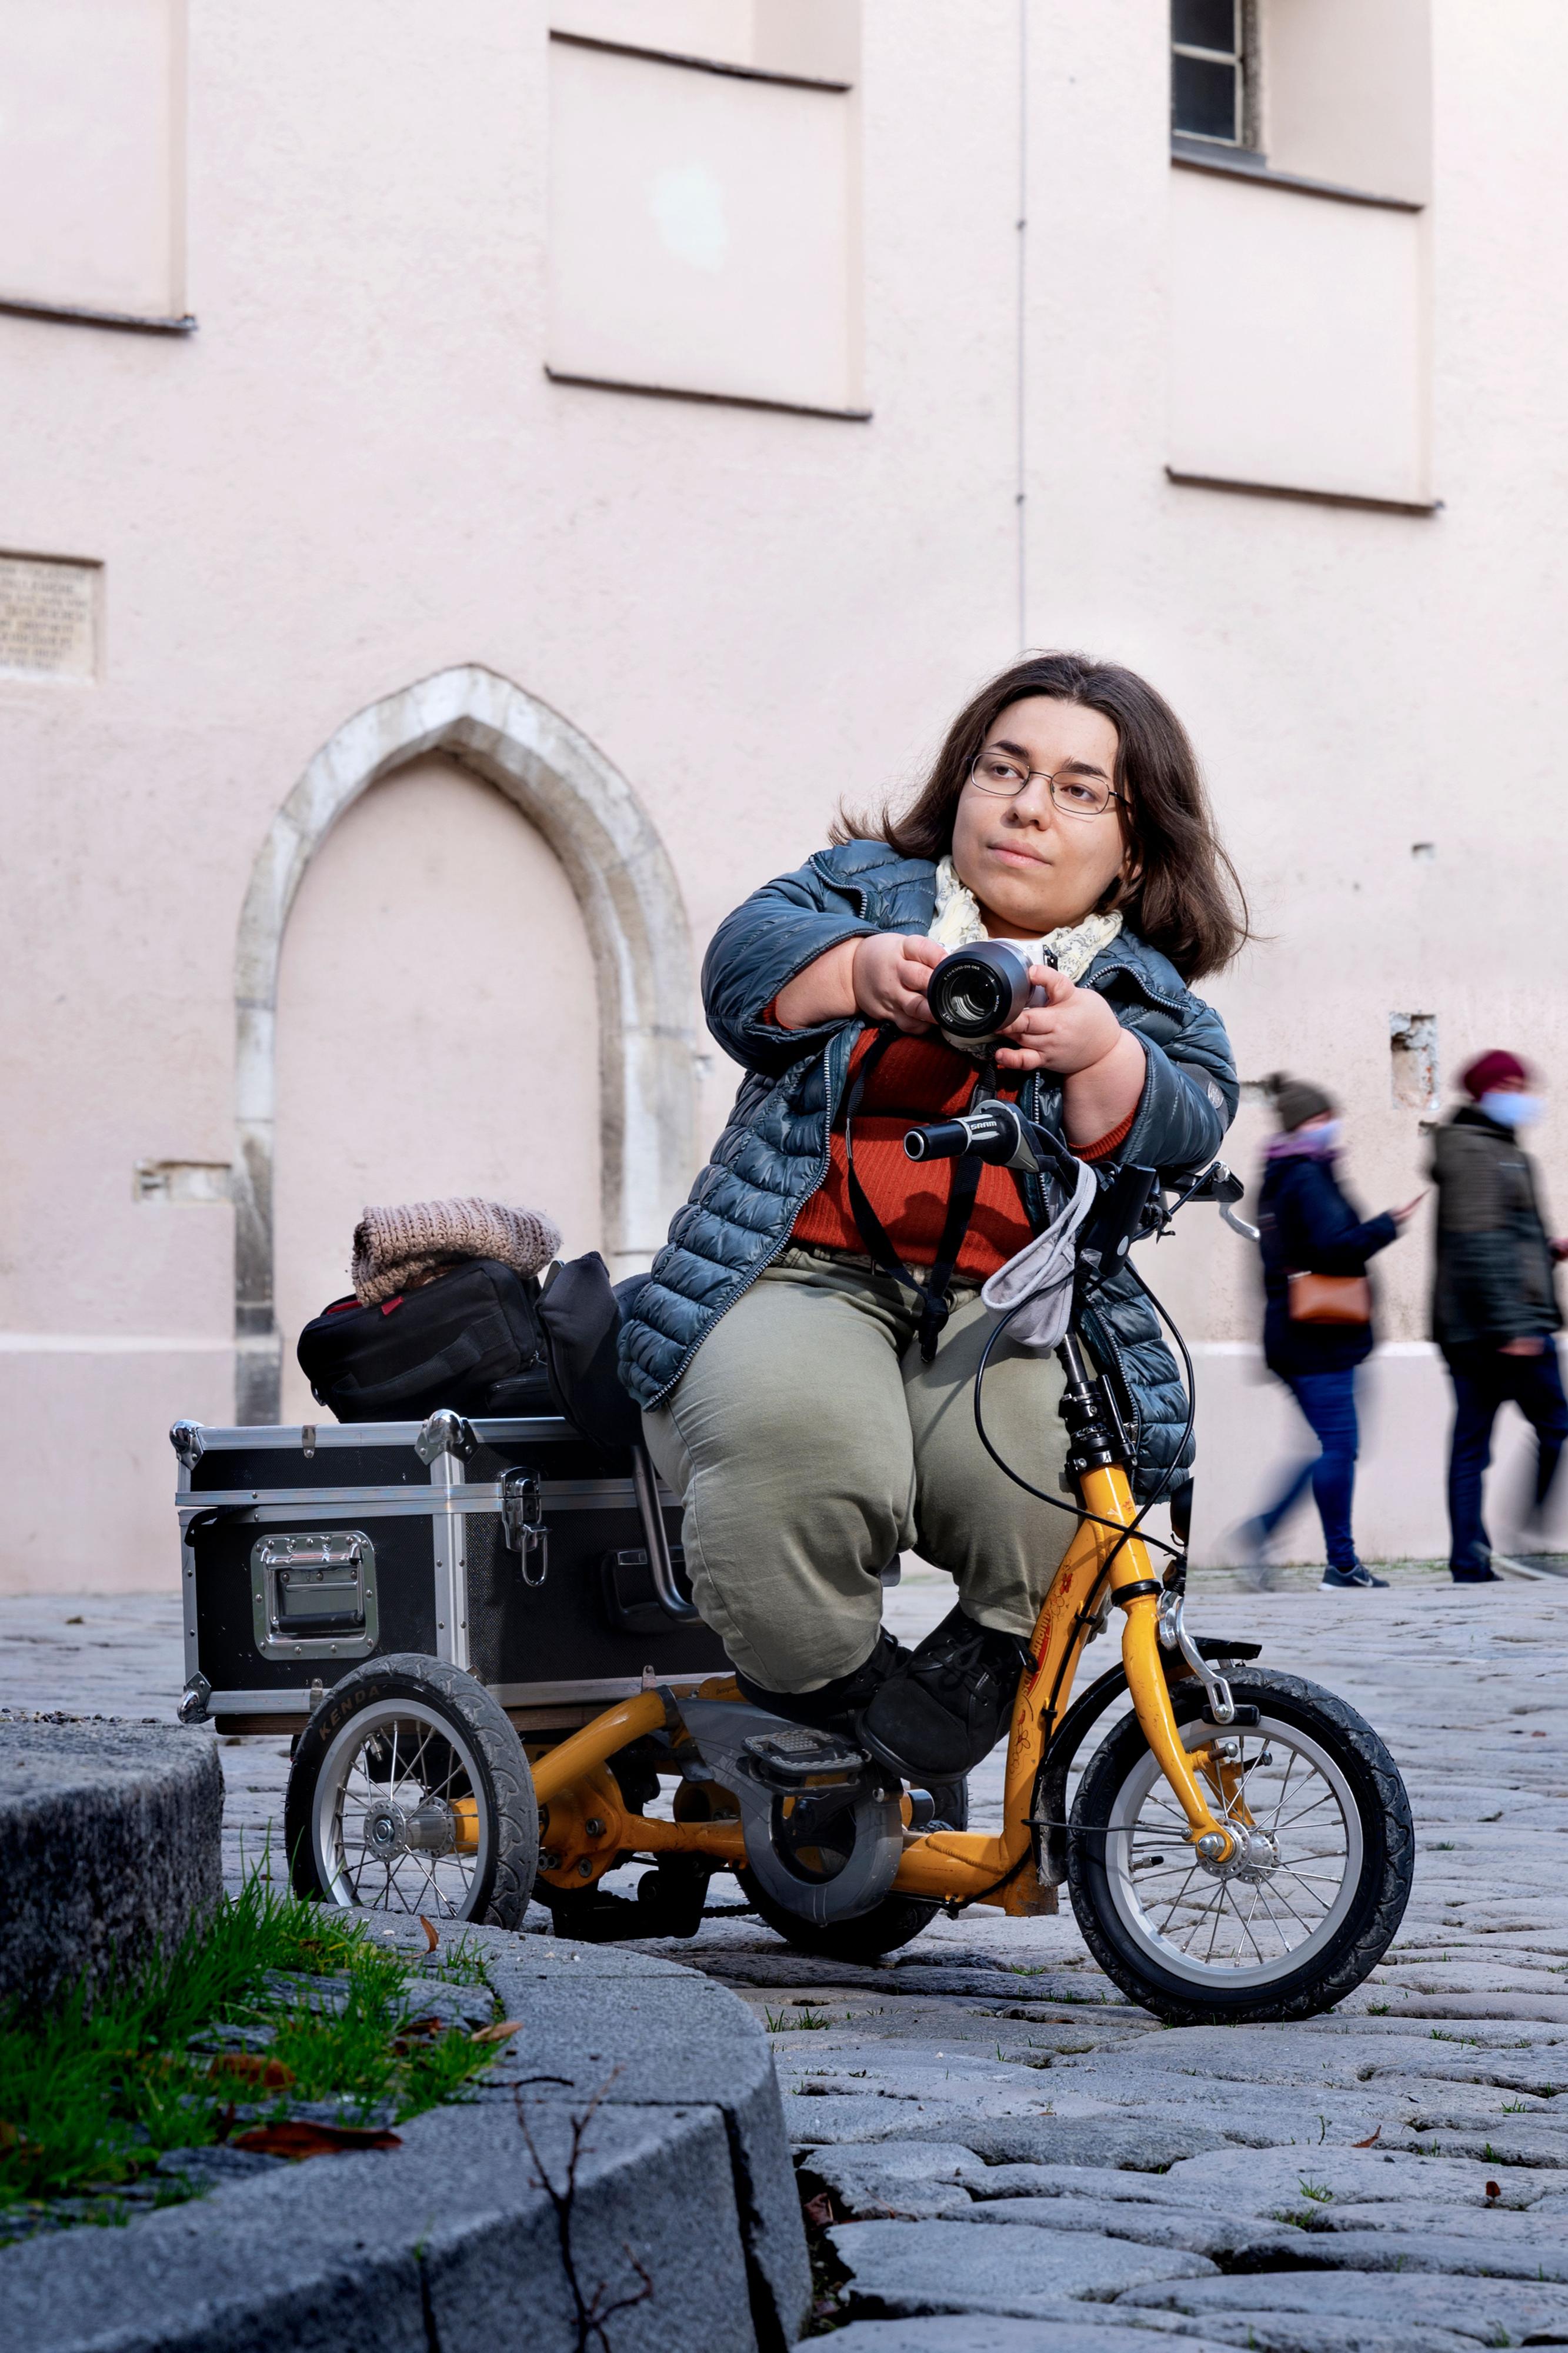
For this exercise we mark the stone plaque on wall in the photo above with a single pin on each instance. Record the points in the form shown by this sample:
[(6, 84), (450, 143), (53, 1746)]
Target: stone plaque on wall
[(49, 617)]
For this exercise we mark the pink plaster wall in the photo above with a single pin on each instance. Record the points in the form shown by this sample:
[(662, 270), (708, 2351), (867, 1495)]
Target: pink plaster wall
[(356, 473)]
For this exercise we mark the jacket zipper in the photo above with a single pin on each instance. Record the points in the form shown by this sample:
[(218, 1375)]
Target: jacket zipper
[(834, 1093)]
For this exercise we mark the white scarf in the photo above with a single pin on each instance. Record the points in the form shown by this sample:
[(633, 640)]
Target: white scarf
[(958, 924)]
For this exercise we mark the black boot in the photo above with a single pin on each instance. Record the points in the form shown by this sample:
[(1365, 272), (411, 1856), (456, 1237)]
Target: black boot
[(835, 1703), (943, 1710)]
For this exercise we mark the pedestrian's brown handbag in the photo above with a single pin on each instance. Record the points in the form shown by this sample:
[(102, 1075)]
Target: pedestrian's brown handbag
[(1329, 1299)]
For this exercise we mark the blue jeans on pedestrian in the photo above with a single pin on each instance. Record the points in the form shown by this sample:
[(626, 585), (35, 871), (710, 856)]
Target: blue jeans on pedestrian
[(1327, 1401), (1484, 1379)]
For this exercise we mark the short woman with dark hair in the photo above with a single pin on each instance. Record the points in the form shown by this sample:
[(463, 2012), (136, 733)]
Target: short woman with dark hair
[(1308, 1226), (812, 1406)]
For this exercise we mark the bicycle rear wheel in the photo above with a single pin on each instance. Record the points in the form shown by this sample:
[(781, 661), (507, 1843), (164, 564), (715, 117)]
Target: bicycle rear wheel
[(1302, 1913)]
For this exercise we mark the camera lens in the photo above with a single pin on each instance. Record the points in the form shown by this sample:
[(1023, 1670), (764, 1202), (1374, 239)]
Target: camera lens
[(974, 1002), (976, 991)]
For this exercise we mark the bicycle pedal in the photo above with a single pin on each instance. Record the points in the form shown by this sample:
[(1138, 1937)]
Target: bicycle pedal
[(789, 1759)]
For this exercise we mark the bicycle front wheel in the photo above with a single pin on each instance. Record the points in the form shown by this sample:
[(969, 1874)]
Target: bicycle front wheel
[(1309, 1903)]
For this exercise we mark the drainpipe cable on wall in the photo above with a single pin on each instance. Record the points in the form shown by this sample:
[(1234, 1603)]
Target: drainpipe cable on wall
[(1022, 226)]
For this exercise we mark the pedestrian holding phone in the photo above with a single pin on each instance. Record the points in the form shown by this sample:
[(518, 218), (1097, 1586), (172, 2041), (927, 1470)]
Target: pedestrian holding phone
[(1317, 1323)]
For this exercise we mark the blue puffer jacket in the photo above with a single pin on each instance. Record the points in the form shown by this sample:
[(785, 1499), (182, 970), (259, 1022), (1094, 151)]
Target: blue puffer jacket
[(774, 1153)]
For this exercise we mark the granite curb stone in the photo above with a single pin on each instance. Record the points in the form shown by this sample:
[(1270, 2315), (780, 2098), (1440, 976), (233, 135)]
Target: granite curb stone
[(451, 2239), (111, 1845)]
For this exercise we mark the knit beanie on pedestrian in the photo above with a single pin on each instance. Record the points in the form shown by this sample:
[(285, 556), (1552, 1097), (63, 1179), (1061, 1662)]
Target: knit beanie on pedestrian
[(1296, 1100), (395, 1248), (1489, 1070)]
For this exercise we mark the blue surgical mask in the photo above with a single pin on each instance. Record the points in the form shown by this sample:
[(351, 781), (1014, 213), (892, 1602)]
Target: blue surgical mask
[(1510, 1110)]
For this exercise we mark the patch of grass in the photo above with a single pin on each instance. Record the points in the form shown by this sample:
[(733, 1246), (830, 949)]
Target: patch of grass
[(1319, 2191), (1516, 2107), (90, 2097), (809, 2022)]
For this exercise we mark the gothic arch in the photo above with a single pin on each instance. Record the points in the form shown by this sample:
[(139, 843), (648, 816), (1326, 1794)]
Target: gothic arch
[(637, 928)]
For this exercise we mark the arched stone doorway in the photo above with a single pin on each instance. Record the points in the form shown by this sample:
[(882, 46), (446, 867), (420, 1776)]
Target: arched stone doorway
[(637, 927)]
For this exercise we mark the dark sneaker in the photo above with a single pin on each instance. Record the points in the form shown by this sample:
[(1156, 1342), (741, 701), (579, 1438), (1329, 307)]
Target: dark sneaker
[(833, 1703), (946, 1707), (1475, 1577), (1351, 1581)]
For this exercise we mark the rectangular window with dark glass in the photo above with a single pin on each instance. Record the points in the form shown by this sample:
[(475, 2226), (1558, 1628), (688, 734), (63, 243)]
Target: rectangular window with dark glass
[(1208, 70)]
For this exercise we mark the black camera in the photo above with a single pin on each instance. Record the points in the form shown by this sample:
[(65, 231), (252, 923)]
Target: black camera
[(974, 992)]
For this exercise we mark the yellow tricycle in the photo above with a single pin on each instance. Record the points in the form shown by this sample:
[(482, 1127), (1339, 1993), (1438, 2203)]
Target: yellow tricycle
[(1238, 1847)]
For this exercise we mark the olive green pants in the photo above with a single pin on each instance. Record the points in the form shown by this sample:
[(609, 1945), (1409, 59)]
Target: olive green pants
[(810, 1445)]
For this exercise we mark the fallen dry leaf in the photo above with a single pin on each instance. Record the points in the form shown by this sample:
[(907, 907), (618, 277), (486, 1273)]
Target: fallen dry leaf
[(432, 1936), (502, 2031), (269, 2075), (293, 2136), (1492, 2189), (1370, 2139), (818, 2211), (418, 2029)]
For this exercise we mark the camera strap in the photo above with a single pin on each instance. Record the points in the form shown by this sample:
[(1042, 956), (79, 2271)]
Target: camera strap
[(932, 1295)]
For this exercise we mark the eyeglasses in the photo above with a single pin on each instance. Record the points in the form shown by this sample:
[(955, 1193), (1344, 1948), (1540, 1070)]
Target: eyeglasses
[(1078, 796)]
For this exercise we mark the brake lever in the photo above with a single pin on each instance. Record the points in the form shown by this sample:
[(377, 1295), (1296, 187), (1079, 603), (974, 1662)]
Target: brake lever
[(1238, 1225)]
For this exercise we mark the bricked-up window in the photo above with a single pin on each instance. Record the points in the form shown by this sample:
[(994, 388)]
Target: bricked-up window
[(1208, 70)]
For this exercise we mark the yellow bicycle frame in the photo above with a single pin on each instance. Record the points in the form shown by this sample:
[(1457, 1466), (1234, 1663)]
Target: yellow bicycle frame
[(584, 1827)]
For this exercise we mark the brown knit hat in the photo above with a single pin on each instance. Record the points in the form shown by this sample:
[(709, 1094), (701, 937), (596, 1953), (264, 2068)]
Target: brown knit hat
[(396, 1246), (1297, 1099)]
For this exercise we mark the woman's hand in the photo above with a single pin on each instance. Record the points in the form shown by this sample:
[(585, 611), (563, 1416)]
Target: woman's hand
[(891, 972), (1073, 1030), (882, 974), (1075, 1034), (1403, 1217)]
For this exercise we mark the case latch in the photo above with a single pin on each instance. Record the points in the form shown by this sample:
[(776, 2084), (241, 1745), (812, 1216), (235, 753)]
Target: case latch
[(523, 1525)]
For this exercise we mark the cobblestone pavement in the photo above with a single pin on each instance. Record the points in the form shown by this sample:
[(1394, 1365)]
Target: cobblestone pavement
[(1392, 2178)]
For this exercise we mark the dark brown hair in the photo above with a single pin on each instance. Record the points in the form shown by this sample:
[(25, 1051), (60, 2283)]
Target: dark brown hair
[(1183, 895)]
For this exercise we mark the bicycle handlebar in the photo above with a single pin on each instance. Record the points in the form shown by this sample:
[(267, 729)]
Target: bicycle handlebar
[(999, 1134), (988, 1134)]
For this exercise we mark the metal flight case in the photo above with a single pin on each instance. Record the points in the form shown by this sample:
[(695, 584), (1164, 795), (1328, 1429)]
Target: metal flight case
[(546, 1568)]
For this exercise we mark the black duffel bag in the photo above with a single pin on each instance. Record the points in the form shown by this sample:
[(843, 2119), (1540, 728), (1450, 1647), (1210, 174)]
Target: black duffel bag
[(470, 1340), (581, 1310)]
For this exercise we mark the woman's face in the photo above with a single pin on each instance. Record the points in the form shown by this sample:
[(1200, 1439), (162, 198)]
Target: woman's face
[(1031, 864)]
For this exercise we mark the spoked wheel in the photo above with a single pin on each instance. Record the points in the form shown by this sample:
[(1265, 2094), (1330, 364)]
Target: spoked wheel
[(1304, 1910), (410, 1792)]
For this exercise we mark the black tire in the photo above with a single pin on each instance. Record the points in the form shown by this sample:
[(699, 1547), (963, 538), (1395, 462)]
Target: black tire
[(1362, 1896), (896, 1920), (462, 1746)]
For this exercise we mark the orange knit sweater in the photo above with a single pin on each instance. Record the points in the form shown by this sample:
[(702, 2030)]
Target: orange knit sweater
[(918, 1079)]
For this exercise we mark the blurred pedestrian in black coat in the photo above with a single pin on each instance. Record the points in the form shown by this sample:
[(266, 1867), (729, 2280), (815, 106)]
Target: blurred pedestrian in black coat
[(1494, 1308)]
